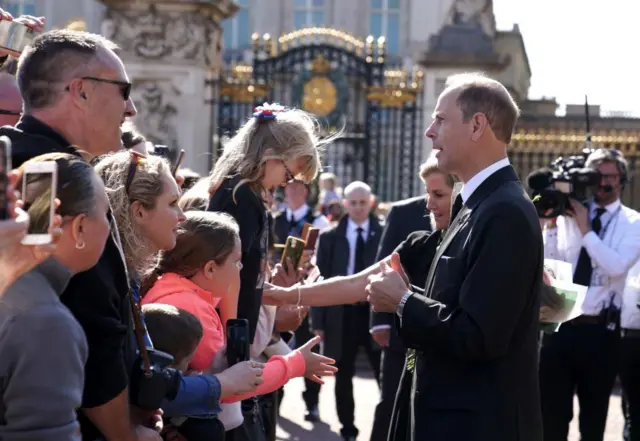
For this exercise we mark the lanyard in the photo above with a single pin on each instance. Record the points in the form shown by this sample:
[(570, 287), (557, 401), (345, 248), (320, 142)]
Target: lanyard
[(614, 215)]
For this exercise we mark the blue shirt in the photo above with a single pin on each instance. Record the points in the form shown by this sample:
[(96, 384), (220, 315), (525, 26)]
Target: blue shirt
[(198, 395)]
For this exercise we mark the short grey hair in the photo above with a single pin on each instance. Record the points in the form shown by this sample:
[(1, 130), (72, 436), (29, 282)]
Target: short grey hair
[(355, 186), (602, 155), (481, 94), (55, 58)]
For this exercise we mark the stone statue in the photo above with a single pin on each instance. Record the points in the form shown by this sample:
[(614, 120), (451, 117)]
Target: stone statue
[(475, 13), (153, 34), (157, 114)]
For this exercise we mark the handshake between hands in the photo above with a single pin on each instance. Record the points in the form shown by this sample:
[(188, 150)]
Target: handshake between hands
[(386, 289)]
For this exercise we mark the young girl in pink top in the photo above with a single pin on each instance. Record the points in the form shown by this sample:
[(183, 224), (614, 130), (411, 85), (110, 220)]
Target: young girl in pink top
[(203, 267)]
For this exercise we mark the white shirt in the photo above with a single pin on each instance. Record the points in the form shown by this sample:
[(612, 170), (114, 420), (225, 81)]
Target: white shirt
[(320, 222), (612, 253), (479, 178), (352, 237)]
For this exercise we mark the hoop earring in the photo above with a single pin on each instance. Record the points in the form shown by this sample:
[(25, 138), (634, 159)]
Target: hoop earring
[(80, 245)]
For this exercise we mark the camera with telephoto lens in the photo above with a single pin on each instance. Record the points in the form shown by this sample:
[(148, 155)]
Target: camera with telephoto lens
[(150, 387), (564, 179)]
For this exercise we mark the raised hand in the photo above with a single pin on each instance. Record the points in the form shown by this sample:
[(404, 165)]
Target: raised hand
[(316, 365)]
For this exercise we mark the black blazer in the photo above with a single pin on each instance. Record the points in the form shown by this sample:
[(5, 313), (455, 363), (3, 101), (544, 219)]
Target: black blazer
[(404, 218), (332, 259), (476, 329)]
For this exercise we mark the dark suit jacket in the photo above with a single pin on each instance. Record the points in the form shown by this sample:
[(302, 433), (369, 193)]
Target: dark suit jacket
[(404, 218), (332, 259), (476, 330)]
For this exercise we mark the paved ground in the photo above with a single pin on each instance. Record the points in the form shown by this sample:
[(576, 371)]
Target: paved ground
[(293, 427)]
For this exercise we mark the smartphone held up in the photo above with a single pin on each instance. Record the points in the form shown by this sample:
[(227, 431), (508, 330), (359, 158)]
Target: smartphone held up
[(39, 184)]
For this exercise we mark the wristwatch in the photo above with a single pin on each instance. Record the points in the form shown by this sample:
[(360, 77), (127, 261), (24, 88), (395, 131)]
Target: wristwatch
[(403, 300)]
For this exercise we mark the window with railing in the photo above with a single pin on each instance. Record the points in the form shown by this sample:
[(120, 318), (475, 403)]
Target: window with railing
[(237, 29), (385, 21), (309, 13)]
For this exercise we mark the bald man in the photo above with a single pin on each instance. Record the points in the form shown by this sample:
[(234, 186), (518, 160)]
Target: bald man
[(10, 100)]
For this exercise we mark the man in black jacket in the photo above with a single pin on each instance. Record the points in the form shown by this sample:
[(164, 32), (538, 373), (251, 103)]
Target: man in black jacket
[(475, 330), (346, 249), (76, 96), (404, 218)]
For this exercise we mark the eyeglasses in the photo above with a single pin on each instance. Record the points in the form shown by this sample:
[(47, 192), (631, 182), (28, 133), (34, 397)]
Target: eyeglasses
[(125, 88), (136, 160), (288, 176)]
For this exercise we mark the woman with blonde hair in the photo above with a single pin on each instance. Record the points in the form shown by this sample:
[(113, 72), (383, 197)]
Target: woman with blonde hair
[(275, 146)]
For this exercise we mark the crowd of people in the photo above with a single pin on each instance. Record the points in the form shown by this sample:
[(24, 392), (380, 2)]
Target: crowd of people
[(162, 309)]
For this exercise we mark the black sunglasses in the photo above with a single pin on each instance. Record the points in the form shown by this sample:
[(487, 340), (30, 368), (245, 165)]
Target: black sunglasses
[(125, 88), (136, 160)]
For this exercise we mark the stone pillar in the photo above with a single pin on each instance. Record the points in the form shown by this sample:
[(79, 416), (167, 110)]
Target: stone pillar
[(172, 50)]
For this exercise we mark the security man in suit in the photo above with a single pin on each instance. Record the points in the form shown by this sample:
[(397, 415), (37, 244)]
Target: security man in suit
[(602, 242), (404, 218), (346, 249), (290, 222)]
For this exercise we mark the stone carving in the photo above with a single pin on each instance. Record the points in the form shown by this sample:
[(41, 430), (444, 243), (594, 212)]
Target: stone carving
[(173, 36), (477, 13), (157, 112)]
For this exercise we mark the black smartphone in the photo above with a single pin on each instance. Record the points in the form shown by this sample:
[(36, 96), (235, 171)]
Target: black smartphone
[(238, 341), (5, 168)]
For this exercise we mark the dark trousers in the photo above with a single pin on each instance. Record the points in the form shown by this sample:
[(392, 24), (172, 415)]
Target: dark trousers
[(269, 412), (252, 429), (312, 389), (391, 366), (355, 335), (630, 379), (581, 358), (202, 429)]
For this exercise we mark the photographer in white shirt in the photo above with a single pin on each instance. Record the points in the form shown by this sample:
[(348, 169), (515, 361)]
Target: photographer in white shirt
[(602, 242), (630, 354)]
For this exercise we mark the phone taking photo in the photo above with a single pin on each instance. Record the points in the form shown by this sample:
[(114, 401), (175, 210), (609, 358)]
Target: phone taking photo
[(238, 338), (293, 250), (5, 168), (39, 183)]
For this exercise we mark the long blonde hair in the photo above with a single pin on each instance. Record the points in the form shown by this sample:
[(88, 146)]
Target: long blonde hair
[(146, 186), (291, 135)]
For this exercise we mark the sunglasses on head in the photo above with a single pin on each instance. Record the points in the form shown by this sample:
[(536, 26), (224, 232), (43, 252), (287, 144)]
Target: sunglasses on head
[(136, 160)]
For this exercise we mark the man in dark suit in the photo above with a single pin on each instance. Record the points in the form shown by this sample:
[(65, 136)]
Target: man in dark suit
[(404, 218), (474, 333), (346, 249), (290, 222)]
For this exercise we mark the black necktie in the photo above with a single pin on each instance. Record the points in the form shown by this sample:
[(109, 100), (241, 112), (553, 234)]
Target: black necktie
[(292, 223), (456, 207), (582, 274), (359, 260)]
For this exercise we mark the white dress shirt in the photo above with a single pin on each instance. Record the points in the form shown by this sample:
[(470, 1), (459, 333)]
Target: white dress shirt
[(320, 222), (352, 237), (479, 178), (612, 253)]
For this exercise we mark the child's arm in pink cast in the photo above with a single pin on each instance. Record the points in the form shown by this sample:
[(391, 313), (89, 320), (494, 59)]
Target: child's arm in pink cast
[(277, 371)]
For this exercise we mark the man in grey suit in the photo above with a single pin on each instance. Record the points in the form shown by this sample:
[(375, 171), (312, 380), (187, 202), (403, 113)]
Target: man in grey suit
[(474, 332)]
